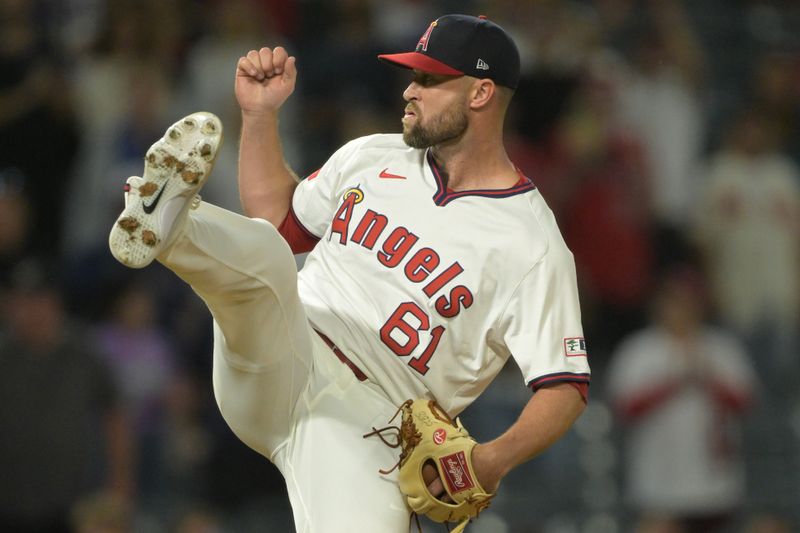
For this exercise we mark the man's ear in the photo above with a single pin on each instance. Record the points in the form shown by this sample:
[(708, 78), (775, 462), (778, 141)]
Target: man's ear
[(482, 93)]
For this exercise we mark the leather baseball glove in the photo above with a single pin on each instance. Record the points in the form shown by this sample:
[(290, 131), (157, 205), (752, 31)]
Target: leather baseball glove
[(427, 434)]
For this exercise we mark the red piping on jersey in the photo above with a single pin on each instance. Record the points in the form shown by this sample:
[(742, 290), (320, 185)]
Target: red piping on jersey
[(579, 381), (576, 380), (559, 376), (733, 400), (642, 403), (444, 195), (299, 238), (342, 357)]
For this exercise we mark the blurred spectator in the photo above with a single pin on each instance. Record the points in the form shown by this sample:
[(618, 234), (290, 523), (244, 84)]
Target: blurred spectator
[(58, 407), (38, 132), (101, 77), (557, 42), (239, 26), (600, 192), (748, 226), (143, 364), (126, 85), (660, 101), (681, 388)]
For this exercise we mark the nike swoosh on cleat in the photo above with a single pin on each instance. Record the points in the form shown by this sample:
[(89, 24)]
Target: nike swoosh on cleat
[(150, 208), (387, 175)]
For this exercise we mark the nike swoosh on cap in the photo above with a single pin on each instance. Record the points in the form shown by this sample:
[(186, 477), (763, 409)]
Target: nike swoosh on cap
[(388, 175), (150, 208)]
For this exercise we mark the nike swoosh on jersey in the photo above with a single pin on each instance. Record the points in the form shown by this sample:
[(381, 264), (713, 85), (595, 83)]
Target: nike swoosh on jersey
[(150, 208), (387, 175)]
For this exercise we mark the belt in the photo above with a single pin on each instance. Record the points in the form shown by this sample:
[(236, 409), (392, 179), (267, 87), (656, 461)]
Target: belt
[(343, 358)]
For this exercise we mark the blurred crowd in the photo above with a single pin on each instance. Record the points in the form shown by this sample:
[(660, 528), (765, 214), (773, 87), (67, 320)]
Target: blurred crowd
[(664, 134)]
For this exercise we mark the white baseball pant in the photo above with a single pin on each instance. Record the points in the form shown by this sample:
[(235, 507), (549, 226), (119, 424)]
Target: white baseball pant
[(279, 387)]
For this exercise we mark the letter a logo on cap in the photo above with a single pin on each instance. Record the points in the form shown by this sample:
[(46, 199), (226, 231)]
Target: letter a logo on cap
[(423, 41)]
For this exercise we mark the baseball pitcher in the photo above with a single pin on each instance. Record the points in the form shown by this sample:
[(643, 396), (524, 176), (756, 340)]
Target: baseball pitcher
[(432, 260)]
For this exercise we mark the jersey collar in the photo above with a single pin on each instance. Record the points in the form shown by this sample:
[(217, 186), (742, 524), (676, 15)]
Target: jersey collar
[(444, 195)]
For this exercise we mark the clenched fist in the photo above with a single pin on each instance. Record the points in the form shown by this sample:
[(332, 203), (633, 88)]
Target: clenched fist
[(265, 78)]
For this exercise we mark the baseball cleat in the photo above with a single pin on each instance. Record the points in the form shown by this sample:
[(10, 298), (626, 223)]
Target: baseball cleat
[(175, 169)]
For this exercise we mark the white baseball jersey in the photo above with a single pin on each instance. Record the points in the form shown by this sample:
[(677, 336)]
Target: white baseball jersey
[(429, 291), (683, 453)]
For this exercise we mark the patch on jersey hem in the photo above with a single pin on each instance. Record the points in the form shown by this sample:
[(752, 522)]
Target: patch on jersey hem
[(575, 347)]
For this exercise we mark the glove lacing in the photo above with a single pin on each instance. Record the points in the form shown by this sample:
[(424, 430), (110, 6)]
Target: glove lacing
[(406, 434)]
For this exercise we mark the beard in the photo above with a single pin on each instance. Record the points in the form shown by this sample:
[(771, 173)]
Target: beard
[(448, 125)]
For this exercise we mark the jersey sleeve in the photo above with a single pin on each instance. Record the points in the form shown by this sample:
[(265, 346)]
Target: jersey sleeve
[(299, 238), (316, 197), (542, 324)]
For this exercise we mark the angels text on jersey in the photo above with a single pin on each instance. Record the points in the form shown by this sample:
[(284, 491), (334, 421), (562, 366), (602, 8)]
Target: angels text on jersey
[(425, 265)]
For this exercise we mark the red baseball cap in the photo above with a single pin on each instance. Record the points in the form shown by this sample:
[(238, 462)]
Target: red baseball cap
[(463, 45)]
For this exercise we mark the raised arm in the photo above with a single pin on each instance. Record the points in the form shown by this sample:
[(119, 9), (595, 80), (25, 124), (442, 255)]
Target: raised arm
[(265, 78)]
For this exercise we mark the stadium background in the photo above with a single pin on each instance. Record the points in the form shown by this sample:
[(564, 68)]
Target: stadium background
[(624, 108)]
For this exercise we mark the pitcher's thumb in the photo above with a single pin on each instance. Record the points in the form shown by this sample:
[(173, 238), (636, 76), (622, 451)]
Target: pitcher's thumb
[(290, 69)]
